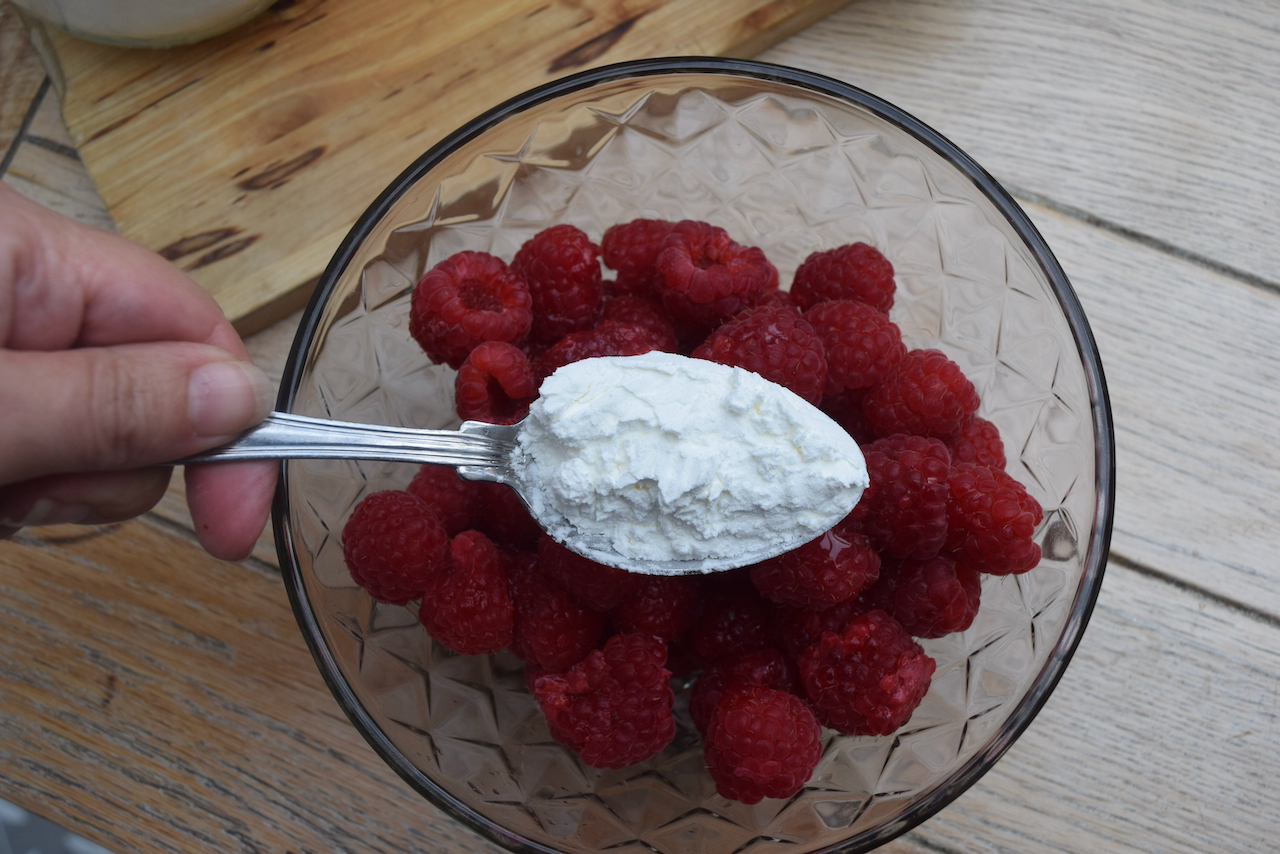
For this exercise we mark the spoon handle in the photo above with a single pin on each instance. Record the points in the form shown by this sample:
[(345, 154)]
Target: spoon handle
[(284, 436)]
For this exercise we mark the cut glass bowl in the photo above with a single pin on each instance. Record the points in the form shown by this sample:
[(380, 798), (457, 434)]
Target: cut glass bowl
[(793, 163)]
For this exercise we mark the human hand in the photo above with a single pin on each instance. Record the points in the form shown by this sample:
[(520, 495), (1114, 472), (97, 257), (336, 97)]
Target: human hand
[(113, 361)]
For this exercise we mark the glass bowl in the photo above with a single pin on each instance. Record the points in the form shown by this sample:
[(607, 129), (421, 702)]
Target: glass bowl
[(793, 163)]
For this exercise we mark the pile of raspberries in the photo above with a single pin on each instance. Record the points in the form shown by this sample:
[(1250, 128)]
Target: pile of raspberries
[(823, 636)]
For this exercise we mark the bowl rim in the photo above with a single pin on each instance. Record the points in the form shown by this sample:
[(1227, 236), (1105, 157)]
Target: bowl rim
[(1098, 544)]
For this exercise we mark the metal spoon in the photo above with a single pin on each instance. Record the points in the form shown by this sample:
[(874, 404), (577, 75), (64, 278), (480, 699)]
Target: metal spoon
[(478, 450)]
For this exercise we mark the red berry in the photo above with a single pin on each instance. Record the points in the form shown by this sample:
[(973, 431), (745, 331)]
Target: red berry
[(733, 618), (768, 667), (928, 395), (979, 442), (847, 410), (393, 544), (550, 629), (862, 345), (502, 516), (930, 598), (775, 343), (826, 571), (610, 338), (465, 300), (856, 271), (706, 278), (562, 268), (658, 605), (638, 311), (797, 629), (868, 679), (631, 248), (592, 584), (761, 743), (495, 384), (779, 299), (992, 520), (904, 509), (466, 607), (452, 499), (613, 708)]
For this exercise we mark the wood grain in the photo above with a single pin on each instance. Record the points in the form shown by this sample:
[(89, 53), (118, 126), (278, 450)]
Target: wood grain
[(1195, 391), (1155, 118), (184, 712), (1161, 737), (21, 74), (44, 166), (245, 159)]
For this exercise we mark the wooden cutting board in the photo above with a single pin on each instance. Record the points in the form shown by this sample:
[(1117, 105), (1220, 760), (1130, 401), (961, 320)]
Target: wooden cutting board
[(246, 158)]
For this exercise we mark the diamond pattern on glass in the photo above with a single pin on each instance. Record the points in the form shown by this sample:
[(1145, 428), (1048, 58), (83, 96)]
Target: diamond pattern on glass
[(793, 172)]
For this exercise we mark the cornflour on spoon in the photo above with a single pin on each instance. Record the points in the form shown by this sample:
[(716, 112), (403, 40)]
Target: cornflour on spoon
[(665, 458)]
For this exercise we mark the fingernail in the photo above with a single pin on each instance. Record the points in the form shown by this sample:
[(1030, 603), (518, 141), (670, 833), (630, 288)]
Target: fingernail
[(46, 511), (227, 397)]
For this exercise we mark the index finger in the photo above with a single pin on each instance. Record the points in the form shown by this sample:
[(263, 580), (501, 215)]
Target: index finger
[(73, 285)]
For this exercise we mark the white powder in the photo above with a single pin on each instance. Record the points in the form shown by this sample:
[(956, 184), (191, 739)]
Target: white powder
[(665, 458)]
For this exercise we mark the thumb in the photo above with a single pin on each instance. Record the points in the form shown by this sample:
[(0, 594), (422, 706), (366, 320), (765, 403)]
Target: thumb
[(121, 407)]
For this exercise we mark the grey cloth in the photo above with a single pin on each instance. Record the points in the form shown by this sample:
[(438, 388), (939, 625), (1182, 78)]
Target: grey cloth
[(24, 833)]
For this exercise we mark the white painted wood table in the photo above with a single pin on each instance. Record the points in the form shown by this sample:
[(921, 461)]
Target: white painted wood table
[(1142, 137)]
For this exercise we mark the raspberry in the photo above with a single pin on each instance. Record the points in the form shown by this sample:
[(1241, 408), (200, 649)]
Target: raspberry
[(928, 395), (797, 629), (733, 618), (502, 516), (904, 509), (613, 708), (992, 519), (465, 300), (862, 345), (775, 343), (610, 338), (631, 248), (550, 629), (979, 442), (868, 679), (768, 667), (706, 278), (658, 605), (779, 299), (761, 743), (452, 499), (495, 384), (592, 584), (638, 311), (562, 267), (930, 598), (847, 409), (466, 607), (856, 271), (826, 571), (393, 544)]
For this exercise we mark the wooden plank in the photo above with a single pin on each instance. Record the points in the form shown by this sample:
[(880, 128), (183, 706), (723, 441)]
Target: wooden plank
[(1152, 117), (21, 76), (261, 147), (1162, 737), (158, 709), (184, 712), (1195, 391)]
